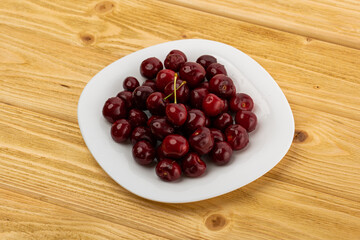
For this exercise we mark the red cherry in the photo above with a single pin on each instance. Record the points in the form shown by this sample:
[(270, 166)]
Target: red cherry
[(246, 119), (130, 83), (201, 140), (182, 94), (197, 96), (174, 60), (153, 117), (137, 118), (204, 85), (226, 106), (214, 69), (150, 67), (127, 97), (193, 166), (151, 84), (140, 95), (174, 146), (164, 77), (161, 128), (176, 113), (143, 153), (193, 73), (218, 135), (142, 133), (221, 153), (222, 86), (175, 51), (120, 130), (222, 121), (196, 119), (237, 137), (159, 153), (241, 101), (212, 105), (156, 104), (168, 170), (114, 109), (206, 60)]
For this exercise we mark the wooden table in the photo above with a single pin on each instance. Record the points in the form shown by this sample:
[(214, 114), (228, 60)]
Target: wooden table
[(52, 188)]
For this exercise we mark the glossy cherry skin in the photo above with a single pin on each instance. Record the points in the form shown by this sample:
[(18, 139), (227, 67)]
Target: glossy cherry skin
[(195, 119), (174, 146), (142, 133), (130, 83), (137, 118), (176, 113), (222, 121), (159, 153), (156, 104), (206, 60), (226, 106), (161, 128), (197, 96), (221, 153), (193, 73), (150, 83), (174, 60), (140, 95), (193, 166), (212, 105), (218, 135), (114, 109), (241, 101), (120, 130), (168, 170), (182, 94), (164, 77), (222, 86), (153, 117), (201, 141), (207, 122), (143, 152), (214, 69), (204, 85), (150, 67), (127, 97), (246, 119), (237, 136)]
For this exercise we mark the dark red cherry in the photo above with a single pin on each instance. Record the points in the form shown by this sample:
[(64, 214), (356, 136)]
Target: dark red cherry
[(222, 121), (137, 118), (221, 153), (201, 141), (164, 77), (175, 51), (153, 117), (150, 67), (204, 85), (174, 60), (241, 101), (130, 83), (176, 113), (206, 60), (193, 73), (237, 137), (156, 104), (218, 135), (214, 69), (120, 130), (193, 166), (161, 128), (159, 153), (222, 86), (226, 106), (143, 153), (150, 83), (174, 146), (212, 105), (142, 133), (114, 109), (127, 97), (197, 96), (168, 170), (140, 95), (196, 119), (182, 94), (246, 119)]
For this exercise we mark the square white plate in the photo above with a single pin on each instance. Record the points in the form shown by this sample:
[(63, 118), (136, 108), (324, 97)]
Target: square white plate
[(268, 143)]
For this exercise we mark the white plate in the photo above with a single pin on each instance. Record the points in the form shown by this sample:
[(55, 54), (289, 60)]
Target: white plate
[(268, 143)]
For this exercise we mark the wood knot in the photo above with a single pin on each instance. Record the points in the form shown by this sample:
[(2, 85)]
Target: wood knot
[(87, 38), (215, 222), (309, 39), (104, 7), (300, 136), (317, 87)]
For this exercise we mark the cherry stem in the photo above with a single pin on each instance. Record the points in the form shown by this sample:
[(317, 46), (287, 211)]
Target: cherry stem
[(183, 83), (175, 78)]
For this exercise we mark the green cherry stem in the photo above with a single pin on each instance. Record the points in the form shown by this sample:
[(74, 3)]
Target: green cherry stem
[(183, 83), (175, 78)]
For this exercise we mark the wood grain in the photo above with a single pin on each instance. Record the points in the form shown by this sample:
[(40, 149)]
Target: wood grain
[(49, 50), (327, 20)]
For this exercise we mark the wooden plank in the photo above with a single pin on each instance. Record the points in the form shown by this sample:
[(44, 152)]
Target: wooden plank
[(327, 20), (50, 76), (22, 217), (312, 194)]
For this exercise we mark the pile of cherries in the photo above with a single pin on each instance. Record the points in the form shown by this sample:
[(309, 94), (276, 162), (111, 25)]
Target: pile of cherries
[(190, 117)]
